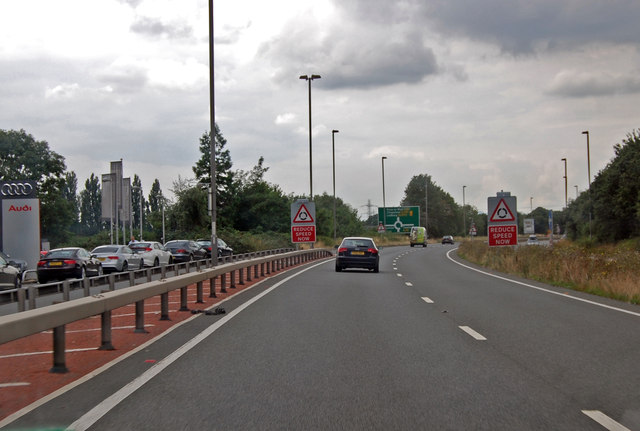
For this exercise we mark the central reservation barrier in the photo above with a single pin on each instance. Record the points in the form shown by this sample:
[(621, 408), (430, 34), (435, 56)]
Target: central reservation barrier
[(55, 317)]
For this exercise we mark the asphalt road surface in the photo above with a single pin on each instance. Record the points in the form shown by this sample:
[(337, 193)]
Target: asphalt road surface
[(425, 344)]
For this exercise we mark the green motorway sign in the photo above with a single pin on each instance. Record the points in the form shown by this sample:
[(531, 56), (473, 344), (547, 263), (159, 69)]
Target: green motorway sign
[(399, 219)]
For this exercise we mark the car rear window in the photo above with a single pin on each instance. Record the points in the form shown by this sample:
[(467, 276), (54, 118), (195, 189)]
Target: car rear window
[(138, 245), (105, 250), (357, 243), (61, 254)]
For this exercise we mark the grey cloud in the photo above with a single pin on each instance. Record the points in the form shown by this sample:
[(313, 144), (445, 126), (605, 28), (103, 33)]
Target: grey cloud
[(154, 27), (516, 26), (580, 84)]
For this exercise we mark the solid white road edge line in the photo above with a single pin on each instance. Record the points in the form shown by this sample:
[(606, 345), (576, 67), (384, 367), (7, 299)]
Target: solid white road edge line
[(542, 289), (93, 415), (473, 333), (605, 420)]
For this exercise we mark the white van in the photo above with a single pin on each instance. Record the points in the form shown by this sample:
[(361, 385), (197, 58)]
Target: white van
[(418, 236)]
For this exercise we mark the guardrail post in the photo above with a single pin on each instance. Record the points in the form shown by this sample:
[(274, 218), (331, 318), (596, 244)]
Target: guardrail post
[(148, 271), (199, 299), (105, 323), (183, 299), (212, 287), (223, 283), (32, 297), (86, 284), (112, 281), (140, 318), (248, 269), (164, 306), (59, 363), (132, 279), (65, 290), (163, 272), (262, 269), (241, 277), (21, 300), (268, 267), (233, 279)]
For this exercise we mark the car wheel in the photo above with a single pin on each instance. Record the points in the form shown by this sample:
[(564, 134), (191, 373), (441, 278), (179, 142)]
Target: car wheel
[(83, 273), (125, 266), (100, 272), (338, 268), (170, 260), (156, 262), (190, 257), (42, 280), (376, 268), (141, 264)]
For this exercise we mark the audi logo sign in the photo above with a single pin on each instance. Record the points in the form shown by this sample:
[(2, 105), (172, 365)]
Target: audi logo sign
[(17, 189)]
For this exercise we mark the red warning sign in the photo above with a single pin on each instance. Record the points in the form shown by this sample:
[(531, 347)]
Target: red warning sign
[(303, 215), (303, 233), (502, 213), (503, 235)]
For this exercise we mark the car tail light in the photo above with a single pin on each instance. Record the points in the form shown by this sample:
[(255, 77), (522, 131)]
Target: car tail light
[(113, 257), (342, 249), (182, 250), (69, 262), (147, 249), (42, 263), (372, 251)]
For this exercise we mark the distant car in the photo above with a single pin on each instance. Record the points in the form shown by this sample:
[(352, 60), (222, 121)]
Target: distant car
[(447, 239), (9, 275), (418, 236), (223, 248), (152, 253), (185, 250), (533, 240), (357, 252), (69, 262), (117, 258), (16, 263)]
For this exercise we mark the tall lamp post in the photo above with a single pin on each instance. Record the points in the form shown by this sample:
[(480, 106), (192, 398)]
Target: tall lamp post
[(566, 199), (586, 132), (384, 202), (212, 161), (309, 79), (464, 214), (333, 153)]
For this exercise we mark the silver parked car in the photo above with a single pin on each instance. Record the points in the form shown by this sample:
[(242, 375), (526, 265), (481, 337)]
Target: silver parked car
[(152, 253), (9, 275), (117, 258)]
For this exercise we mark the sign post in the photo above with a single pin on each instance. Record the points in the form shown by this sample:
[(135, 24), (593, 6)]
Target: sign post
[(303, 222), (503, 220)]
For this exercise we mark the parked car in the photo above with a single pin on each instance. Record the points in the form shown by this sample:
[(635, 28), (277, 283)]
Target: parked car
[(16, 263), (223, 248), (153, 253), (68, 262), (447, 239), (9, 275), (185, 250), (357, 252), (418, 236), (533, 240), (117, 258)]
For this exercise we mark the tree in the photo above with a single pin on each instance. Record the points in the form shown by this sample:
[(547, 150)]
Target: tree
[(91, 206), (224, 175), (24, 158), (70, 193), (136, 194), (444, 215)]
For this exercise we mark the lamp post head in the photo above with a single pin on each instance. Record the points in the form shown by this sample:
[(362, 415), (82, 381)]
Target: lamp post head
[(564, 159), (335, 131), (384, 157), (586, 132), (310, 78)]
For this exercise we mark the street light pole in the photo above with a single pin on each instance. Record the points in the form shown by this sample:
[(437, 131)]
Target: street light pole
[(566, 199), (586, 132), (212, 136), (333, 153), (464, 214), (309, 79), (384, 202)]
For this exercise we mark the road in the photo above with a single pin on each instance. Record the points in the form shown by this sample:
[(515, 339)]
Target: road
[(425, 344)]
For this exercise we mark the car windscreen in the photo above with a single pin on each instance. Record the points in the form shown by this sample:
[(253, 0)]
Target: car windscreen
[(105, 250)]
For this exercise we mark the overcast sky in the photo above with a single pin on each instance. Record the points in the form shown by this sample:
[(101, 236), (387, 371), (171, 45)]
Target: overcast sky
[(490, 94)]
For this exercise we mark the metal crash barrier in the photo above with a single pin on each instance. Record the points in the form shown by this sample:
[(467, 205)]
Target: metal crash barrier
[(55, 317)]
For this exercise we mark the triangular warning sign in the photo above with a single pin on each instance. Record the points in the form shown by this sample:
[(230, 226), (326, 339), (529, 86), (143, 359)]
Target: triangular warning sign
[(303, 215), (502, 213)]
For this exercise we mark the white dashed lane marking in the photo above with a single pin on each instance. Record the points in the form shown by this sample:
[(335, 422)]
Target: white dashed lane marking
[(473, 333)]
